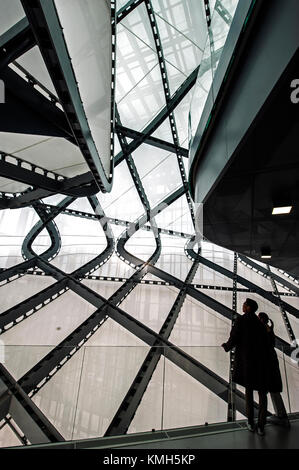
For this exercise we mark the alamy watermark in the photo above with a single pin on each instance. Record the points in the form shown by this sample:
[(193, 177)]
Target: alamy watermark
[(295, 92), (2, 92), (2, 352)]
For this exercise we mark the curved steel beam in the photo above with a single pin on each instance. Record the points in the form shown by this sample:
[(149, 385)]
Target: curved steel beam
[(47, 30)]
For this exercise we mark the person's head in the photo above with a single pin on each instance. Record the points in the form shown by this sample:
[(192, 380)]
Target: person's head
[(250, 306), (263, 317)]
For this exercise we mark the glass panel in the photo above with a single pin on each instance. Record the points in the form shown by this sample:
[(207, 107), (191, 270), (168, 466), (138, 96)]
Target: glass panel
[(149, 412), (57, 399), (52, 323), (22, 288), (77, 247), (42, 242), (292, 377), (181, 116), (173, 259), (8, 437), (218, 32), (208, 276), (218, 255), (144, 101), (198, 325), (150, 305), (214, 358), (81, 204), (13, 13), (113, 334), (285, 391), (163, 132), (138, 23), (164, 179), (71, 258), (33, 62), (104, 288), (187, 402), (142, 244), (14, 227), (20, 359), (106, 376), (135, 60), (115, 267), (176, 217), (186, 16), (201, 90), (182, 55), (123, 201), (147, 158)]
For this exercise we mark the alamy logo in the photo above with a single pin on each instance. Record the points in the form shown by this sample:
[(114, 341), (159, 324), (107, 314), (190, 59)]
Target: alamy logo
[(295, 93), (2, 92), (2, 352)]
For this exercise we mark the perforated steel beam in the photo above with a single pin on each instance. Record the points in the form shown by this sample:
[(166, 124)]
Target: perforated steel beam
[(264, 271), (154, 141)]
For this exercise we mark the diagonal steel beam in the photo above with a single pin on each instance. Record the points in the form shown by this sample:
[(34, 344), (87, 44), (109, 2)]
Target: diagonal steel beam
[(264, 271), (127, 9), (34, 424), (154, 141), (15, 42), (245, 282)]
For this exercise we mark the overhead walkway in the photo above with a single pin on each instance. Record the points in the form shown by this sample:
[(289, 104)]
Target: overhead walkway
[(213, 436)]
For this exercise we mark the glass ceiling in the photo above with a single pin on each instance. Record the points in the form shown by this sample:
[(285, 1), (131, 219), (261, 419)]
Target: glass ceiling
[(148, 175)]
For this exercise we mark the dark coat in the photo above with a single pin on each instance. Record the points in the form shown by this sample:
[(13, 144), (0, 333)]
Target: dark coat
[(251, 365), (274, 377)]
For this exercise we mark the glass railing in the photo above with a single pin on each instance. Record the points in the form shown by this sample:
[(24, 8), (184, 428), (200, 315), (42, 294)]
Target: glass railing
[(143, 389)]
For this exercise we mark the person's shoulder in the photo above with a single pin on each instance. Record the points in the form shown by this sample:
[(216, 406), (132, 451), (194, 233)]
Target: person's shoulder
[(239, 320)]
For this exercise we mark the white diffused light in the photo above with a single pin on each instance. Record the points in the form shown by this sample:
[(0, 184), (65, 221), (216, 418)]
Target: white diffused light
[(281, 210)]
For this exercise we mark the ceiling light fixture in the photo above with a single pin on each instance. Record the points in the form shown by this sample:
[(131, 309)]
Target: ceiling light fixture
[(265, 252), (281, 210)]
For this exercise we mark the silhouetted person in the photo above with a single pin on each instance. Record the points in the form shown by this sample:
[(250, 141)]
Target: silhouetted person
[(249, 336), (274, 376)]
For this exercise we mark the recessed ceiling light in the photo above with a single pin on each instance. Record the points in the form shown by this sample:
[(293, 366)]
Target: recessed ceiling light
[(281, 210), (266, 252)]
